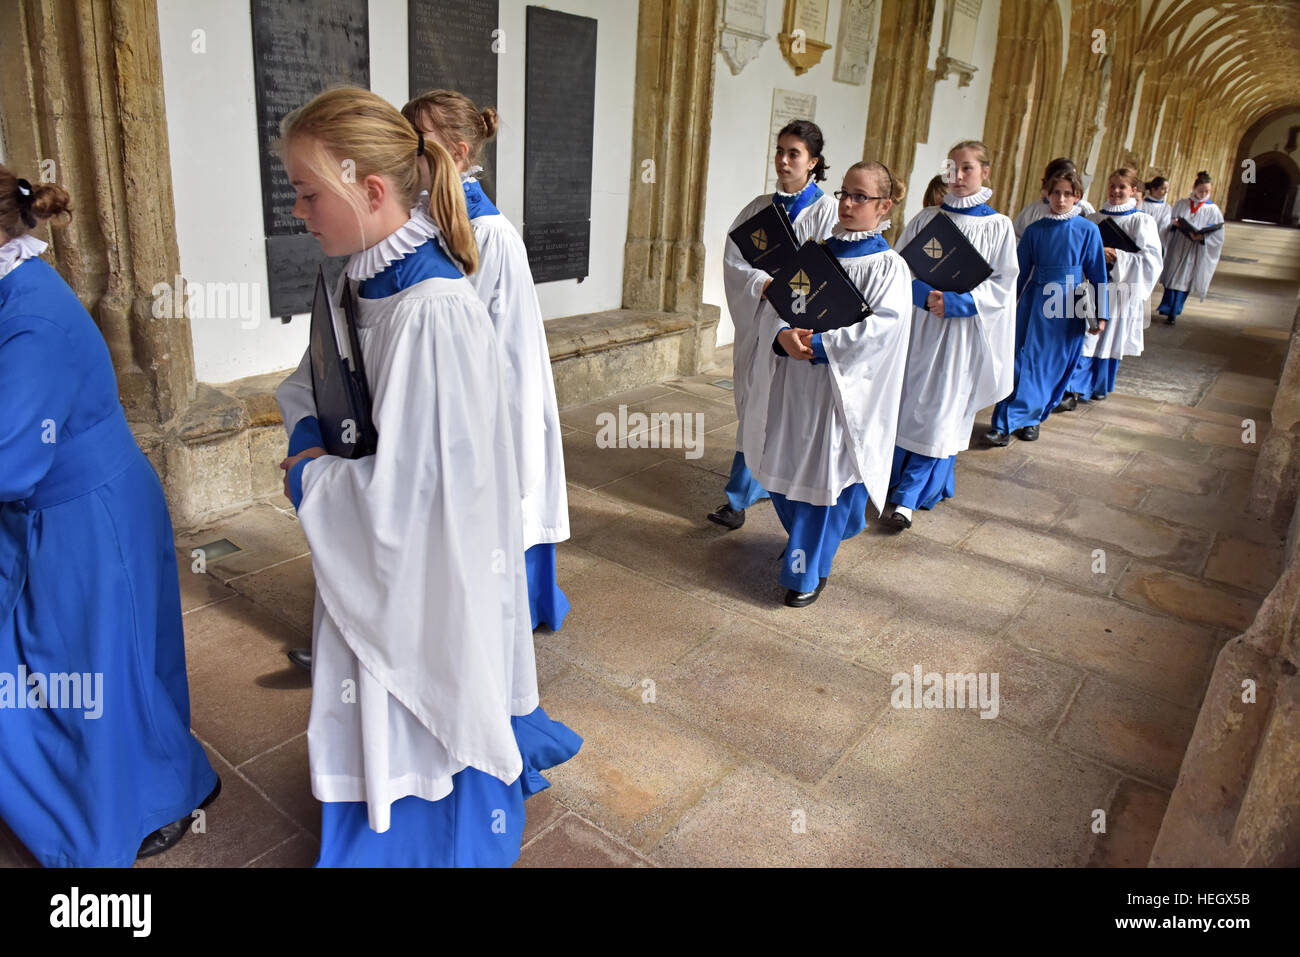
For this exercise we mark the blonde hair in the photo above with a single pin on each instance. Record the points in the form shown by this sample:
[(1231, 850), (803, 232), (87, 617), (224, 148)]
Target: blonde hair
[(981, 154), (455, 118), (21, 210), (355, 124), (890, 188)]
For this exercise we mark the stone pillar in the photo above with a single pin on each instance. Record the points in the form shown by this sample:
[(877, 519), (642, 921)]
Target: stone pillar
[(83, 97), (1275, 487), (663, 267), (902, 92)]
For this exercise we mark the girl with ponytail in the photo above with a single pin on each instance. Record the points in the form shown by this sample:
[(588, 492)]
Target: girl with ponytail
[(105, 771), (421, 596), (1190, 261), (505, 284)]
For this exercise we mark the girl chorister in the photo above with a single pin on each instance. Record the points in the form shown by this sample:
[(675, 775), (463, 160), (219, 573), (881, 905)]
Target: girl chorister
[(823, 407), (1154, 205), (1036, 211), (1190, 262), (1057, 254), (1132, 277), (962, 344), (800, 166), (97, 762), (425, 733), (505, 284)]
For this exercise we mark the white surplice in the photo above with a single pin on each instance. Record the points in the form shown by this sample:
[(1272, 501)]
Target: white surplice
[(422, 647), (1159, 210), (1190, 266), (743, 284), (1133, 276), (814, 430), (959, 365)]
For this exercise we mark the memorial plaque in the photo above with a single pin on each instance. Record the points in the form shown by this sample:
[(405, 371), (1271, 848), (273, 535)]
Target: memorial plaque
[(300, 47), (559, 108), (453, 45), (857, 26), (787, 106)]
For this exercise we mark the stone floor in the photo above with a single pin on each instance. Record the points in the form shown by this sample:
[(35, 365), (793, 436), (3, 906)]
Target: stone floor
[(1097, 572)]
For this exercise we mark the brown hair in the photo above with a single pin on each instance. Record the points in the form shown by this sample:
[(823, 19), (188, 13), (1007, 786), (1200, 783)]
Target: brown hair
[(935, 191), (981, 155), (1130, 176), (889, 187), (21, 208), (1059, 165), (455, 118), (1202, 177), (1070, 176), (361, 126)]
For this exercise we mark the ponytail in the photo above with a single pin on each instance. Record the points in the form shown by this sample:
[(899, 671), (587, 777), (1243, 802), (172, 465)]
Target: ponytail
[(24, 205), (447, 205)]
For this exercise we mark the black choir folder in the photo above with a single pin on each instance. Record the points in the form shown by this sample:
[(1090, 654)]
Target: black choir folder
[(338, 378), (942, 257), (1115, 238), (766, 239), (812, 291), (1191, 232)]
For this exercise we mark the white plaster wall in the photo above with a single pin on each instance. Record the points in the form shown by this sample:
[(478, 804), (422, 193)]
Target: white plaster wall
[(958, 112), (738, 145), (211, 117), (1273, 136)]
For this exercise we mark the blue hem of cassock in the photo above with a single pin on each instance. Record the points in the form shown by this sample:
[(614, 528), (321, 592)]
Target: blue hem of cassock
[(1171, 303), (815, 534), (1093, 377), (547, 604), (919, 481), (479, 824), (743, 490)]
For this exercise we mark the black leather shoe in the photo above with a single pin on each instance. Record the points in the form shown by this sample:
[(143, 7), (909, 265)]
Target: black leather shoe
[(1169, 320), (994, 437), (900, 522), (301, 657), (1028, 433), (1098, 398), (727, 516), (1068, 404), (801, 599), (169, 835)]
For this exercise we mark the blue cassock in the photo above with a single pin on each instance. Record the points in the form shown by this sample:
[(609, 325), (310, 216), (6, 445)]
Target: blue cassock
[(743, 490), (481, 822), (88, 595), (1056, 256)]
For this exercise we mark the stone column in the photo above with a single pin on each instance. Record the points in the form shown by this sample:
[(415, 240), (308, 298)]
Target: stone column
[(663, 267), (902, 91), (83, 97)]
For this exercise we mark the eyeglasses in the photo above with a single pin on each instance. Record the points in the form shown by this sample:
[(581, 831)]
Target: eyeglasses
[(855, 198)]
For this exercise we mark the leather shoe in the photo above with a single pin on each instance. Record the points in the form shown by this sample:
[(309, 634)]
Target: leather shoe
[(801, 599), (301, 657), (1068, 404), (727, 516), (1098, 398), (169, 835), (1028, 433), (994, 437), (1169, 320)]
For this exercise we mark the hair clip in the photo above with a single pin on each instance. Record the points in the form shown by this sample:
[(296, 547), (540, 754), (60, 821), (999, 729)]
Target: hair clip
[(26, 195)]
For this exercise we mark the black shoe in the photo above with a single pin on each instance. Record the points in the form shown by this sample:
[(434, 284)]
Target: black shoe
[(1028, 433), (1169, 320), (801, 599), (301, 657), (727, 516), (994, 437), (169, 835), (900, 522), (1068, 404), (1098, 398)]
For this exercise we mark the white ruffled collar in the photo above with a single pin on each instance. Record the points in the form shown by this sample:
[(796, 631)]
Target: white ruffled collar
[(852, 236), (471, 175), (1073, 212), (800, 191), (966, 202), (17, 250), (1124, 207), (401, 242)]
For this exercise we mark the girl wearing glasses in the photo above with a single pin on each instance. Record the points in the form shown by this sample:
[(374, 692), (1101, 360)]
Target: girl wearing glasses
[(962, 346), (823, 407), (800, 166)]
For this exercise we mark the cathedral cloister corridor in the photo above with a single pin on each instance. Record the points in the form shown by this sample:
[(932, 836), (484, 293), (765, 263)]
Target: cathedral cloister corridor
[(1097, 573)]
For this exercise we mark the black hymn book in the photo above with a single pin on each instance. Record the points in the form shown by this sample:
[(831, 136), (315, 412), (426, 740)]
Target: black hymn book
[(338, 377), (1191, 232), (1115, 238), (812, 291), (942, 257), (766, 239)]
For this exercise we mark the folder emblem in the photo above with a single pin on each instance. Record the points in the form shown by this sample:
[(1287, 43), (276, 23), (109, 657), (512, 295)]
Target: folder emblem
[(800, 285), (759, 239), (934, 249)]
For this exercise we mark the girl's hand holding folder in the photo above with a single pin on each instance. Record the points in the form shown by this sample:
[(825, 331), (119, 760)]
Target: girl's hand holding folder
[(934, 302)]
